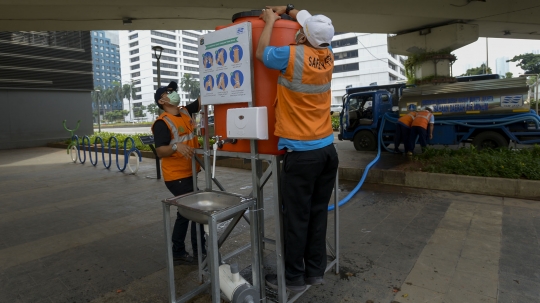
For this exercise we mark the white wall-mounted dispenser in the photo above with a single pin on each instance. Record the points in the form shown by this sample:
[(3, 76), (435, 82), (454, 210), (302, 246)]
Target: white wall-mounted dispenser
[(247, 123)]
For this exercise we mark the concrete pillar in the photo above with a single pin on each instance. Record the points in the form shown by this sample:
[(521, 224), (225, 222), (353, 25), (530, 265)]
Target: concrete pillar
[(432, 48)]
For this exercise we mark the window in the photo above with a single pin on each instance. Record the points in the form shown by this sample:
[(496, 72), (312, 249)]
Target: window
[(137, 74), (166, 65), (155, 33), (95, 46), (95, 34), (134, 59), (158, 41), (402, 71), (136, 89), (106, 55), (134, 36), (346, 67), (166, 73), (137, 97), (132, 44), (108, 49), (189, 41), (186, 54), (101, 47), (166, 80), (189, 47), (186, 33), (191, 61), (193, 69), (345, 42), (133, 52), (136, 66), (101, 34), (385, 98), (169, 51), (95, 39), (392, 77), (107, 61), (392, 66), (166, 58), (100, 40), (107, 42), (346, 55)]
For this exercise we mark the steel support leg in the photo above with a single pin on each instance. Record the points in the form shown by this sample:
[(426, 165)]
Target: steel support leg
[(169, 255), (213, 260), (278, 215)]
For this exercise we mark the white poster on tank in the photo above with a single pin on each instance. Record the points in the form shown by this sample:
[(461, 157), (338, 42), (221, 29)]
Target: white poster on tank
[(225, 65)]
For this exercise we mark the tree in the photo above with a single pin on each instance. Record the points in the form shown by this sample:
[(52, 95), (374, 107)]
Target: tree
[(190, 85), (509, 75), (529, 62), (138, 111), (481, 70), (126, 93), (153, 109)]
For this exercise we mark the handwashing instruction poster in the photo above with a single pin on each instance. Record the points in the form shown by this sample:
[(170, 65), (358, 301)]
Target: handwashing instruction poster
[(225, 65)]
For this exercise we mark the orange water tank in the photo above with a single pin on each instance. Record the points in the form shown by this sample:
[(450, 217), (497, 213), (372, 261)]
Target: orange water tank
[(264, 81)]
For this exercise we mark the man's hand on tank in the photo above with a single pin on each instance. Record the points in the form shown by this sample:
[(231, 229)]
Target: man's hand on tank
[(268, 16), (280, 10)]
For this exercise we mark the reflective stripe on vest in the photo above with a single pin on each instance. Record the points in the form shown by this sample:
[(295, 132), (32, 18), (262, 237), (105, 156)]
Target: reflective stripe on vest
[(296, 84), (426, 117), (177, 138), (407, 119)]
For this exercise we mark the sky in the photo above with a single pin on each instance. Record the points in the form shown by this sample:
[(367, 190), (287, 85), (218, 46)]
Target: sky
[(474, 54)]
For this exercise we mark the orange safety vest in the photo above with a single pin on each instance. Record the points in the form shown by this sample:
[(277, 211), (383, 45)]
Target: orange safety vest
[(177, 166), (422, 119), (304, 96), (408, 119)]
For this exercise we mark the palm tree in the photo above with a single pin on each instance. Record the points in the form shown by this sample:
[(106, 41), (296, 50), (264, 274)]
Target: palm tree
[(116, 92), (190, 85), (126, 93)]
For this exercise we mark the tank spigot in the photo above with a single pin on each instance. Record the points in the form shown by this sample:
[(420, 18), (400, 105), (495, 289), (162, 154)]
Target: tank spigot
[(220, 143)]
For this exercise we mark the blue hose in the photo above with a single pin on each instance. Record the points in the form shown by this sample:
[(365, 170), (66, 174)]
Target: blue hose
[(366, 171), (469, 123)]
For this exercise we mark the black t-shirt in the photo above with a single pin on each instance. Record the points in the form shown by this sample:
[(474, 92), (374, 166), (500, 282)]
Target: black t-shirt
[(162, 135)]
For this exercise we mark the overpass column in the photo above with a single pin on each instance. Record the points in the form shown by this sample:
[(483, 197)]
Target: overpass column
[(429, 51)]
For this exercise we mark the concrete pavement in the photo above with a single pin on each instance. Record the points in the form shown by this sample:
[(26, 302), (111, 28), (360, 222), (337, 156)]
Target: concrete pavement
[(78, 233)]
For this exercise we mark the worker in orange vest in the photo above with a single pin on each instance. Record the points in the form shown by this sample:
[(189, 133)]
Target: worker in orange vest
[(422, 123), (403, 132)]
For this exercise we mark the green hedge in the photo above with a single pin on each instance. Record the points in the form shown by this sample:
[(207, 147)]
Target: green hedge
[(502, 163)]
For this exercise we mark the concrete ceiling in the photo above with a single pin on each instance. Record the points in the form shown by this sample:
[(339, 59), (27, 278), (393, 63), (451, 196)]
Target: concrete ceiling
[(516, 18)]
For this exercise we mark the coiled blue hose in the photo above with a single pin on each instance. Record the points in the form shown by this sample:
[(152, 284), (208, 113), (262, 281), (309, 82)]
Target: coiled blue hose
[(468, 122)]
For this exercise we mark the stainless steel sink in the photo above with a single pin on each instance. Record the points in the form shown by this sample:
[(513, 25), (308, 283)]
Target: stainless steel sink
[(199, 206)]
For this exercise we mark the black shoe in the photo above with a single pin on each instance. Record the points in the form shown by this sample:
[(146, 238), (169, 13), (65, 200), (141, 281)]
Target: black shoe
[(397, 152), (183, 260), (271, 281), (314, 281)]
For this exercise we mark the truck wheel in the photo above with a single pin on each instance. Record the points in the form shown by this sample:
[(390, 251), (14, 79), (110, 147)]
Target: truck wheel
[(489, 139), (365, 141)]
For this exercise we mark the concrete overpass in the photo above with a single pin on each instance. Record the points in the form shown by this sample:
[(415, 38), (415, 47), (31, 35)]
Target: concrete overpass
[(496, 18)]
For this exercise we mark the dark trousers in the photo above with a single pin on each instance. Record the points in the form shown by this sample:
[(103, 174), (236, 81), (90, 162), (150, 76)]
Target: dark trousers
[(402, 136), (307, 181), (422, 137), (177, 188)]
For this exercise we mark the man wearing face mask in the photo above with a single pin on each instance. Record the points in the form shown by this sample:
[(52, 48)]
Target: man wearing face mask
[(175, 142), (305, 131)]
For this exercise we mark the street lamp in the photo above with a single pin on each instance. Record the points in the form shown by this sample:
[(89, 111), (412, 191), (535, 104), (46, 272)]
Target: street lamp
[(157, 52), (98, 111), (536, 88)]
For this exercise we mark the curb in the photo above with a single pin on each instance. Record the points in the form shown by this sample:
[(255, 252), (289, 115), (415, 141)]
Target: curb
[(511, 188)]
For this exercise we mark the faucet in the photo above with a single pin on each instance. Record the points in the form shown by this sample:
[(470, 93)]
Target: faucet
[(220, 143)]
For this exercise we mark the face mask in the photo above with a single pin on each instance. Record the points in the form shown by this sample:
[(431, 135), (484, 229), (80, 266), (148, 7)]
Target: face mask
[(296, 36), (174, 98)]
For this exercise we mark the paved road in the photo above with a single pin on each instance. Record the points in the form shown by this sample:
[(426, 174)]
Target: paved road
[(78, 233)]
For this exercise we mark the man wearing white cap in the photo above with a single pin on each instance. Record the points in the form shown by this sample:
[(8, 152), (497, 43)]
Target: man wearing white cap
[(305, 131)]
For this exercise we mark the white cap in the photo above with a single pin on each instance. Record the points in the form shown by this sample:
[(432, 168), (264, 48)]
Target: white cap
[(430, 108), (318, 29)]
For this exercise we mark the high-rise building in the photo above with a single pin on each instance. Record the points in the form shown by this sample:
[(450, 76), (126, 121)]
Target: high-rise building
[(362, 60), (46, 78), (501, 66), (106, 58), (139, 63)]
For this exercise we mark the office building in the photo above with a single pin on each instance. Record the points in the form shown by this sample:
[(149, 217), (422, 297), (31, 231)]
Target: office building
[(501, 66), (106, 58), (139, 63), (362, 60)]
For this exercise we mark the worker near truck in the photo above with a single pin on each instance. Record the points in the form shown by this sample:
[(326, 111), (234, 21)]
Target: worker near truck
[(422, 124), (403, 132), (305, 131)]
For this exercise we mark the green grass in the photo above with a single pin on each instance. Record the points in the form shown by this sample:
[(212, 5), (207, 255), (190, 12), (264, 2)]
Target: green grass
[(500, 163)]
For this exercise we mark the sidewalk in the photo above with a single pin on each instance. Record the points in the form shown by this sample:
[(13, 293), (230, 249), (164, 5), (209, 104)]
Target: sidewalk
[(78, 233)]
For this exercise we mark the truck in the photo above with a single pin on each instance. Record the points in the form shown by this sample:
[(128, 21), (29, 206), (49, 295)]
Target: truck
[(486, 111)]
